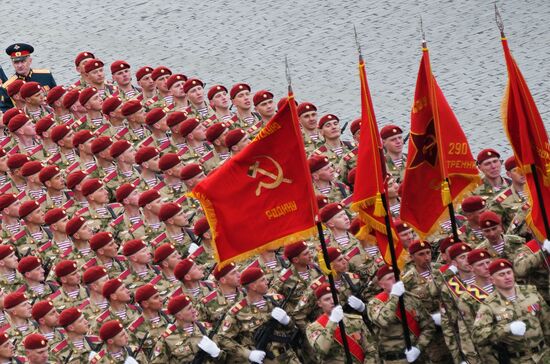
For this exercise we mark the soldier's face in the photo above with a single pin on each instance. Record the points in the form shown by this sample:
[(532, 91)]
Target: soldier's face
[(4, 164), (154, 303), (94, 103), (394, 144), (493, 234), (221, 100), (340, 264), (10, 261), (188, 314), (406, 237), (27, 129), (143, 256), (153, 164), (180, 219), (473, 217), (36, 274), (6, 350), (326, 303), (195, 273), (326, 173), (266, 108), (393, 188), (100, 196), (161, 83), (22, 67), (147, 83), (173, 259), (123, 294), (422, 258), (199, 133), (80, 326), (309, 120), (97, 76), (196, 95), (305, 257), (516, 176), (13, 209), (504, 279), (461, 262), (242, 100), (340, 221), (260, 286), (22, 310), (57, 182), (51, 318), (491, 167), (37, 356), (36, 99), (331, 129), (72, 279), (481, 268), (387, 282), (177, 89), (123, 78), (121, 339), (36, 217), (232, 279), (110, 250), (133, 198), (243, 143)]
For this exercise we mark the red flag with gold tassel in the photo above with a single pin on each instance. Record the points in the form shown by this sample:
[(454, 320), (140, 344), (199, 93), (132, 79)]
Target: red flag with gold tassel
[(261, 198), (370, 179), (440, 167), (529, 141)]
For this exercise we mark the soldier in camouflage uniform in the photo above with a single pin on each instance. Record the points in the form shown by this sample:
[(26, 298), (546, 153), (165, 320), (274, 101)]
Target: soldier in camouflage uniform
[(497, 244), (333, 148), (264, 106), (191, 276), (94, 278), (71, 293), (36, 287), (9, 276), (198, 106), (36, 348), (514, 319), (119, 297), (392, 140), (140, 271), (116, 339), (105, 249), (166, 257), (492, 183), (307, 114), (470, 232), (247, 120), (133, 112), (18, 309), (46, 317), (80, 233), (531, 265), (324, 181), (215, 306), (77, 347)]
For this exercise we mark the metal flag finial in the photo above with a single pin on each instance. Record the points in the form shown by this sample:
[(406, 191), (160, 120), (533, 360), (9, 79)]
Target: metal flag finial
[(498, 20), (357, 44), (287, 72), (424, 43)]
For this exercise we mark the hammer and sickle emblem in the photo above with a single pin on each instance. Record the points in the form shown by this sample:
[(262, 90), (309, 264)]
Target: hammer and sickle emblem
[(276, 179)]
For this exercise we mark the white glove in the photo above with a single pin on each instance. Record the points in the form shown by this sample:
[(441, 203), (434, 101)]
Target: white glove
[(517, 328), (437, 318), (337, 314), (412, 354), (356, 304), (398, 289), (546, 246), (453, 269), (257, 356), (280, 315), (192, 248), (463, 362), (210, 347)]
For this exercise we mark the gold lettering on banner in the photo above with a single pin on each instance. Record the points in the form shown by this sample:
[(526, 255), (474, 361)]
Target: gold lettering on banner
[(267, 131), (276, 179), (420, 104), (281, 210)]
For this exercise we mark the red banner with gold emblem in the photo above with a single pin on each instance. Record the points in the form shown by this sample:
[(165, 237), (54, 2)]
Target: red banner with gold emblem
[(529, 141), (262, 197), (438, 151)]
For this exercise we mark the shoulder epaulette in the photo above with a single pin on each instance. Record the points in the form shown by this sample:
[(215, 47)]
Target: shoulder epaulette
[(89, 263), (98, 357), (353, 252), (117, 221), (206, 157), (137, 323), (5, 327), (254, 264), (84, 304), (18, 236), (54, 295), (351, 154), (103, 316), (44, 247), (285, 275), (169, 330), (60, 346), (210, 297), (122, 276), (503, 195), (322, 149), (40, 70), (239, 306), (197, 253), (110, 176), (355, 275), (316, 283), (183, 150), (156, 279), (81, 211), (9, 80)]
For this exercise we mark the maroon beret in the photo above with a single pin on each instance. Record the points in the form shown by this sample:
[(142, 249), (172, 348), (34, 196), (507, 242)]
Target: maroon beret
[(110, 104), (317, 161), (174, 118), (81, 137), (59, 132), (91, 185), (111, 286), (182, 268), (119, 147), (233, 137), (478, 255), (458, 249), (154, 116), (44, 124), (54, 215), (306, 107), (187, 126), (325, 119), (28, 263), (238, 88), (110, 329), (175, 78), (64, 268), (489, 219), (6, 200), (418, 245), (169, 160), (147, 197), (389, 131), (220, 273), (17, 122), (68, 316), (3, 338), (124, 191), (499, 264), (48, 172), (13, 299), (215, 130), (295, 249), (101, 143), (251, 274), (2, 152), (143, 71), (94, 273), (169, 210), (383, 271), (214, 90), (27, 207), (10, 114), (92, 64), (510, 163), (41, 309), (401, 226), (70, 98), (473, 204), (145, 292), (82, 56), (333, 253), (17, 160), (355, 126), (86, 94), (191, 170), (29, 88), (14, 87), (487, 154), (55, 94), (74, 224), (119, 65), (328, 212), (131, 107), (31, 167), (144, 154), (6, 251), (75, 178), (178, 303), (261, 96), (163, 252), (100, 239), (201, 226), (160, 71), (133, 246), (190, 83), (446, 243), (322, 290), (35, 341)]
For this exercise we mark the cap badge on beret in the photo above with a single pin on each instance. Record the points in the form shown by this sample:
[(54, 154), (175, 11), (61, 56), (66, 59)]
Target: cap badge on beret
[(501, 264), (482, 254), (487, 223)]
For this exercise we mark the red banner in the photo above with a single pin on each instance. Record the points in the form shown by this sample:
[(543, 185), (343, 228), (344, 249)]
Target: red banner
[(438, 150), (261, 198), (529, 141)]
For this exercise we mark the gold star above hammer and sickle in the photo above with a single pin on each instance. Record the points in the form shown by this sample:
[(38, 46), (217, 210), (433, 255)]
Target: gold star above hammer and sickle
[(276, 178)]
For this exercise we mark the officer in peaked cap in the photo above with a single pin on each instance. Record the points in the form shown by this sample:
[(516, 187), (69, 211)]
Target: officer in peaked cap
[(20, 54)]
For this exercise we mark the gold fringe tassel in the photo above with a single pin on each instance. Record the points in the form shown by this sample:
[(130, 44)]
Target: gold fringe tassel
[(445, 193), (379, 206)]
